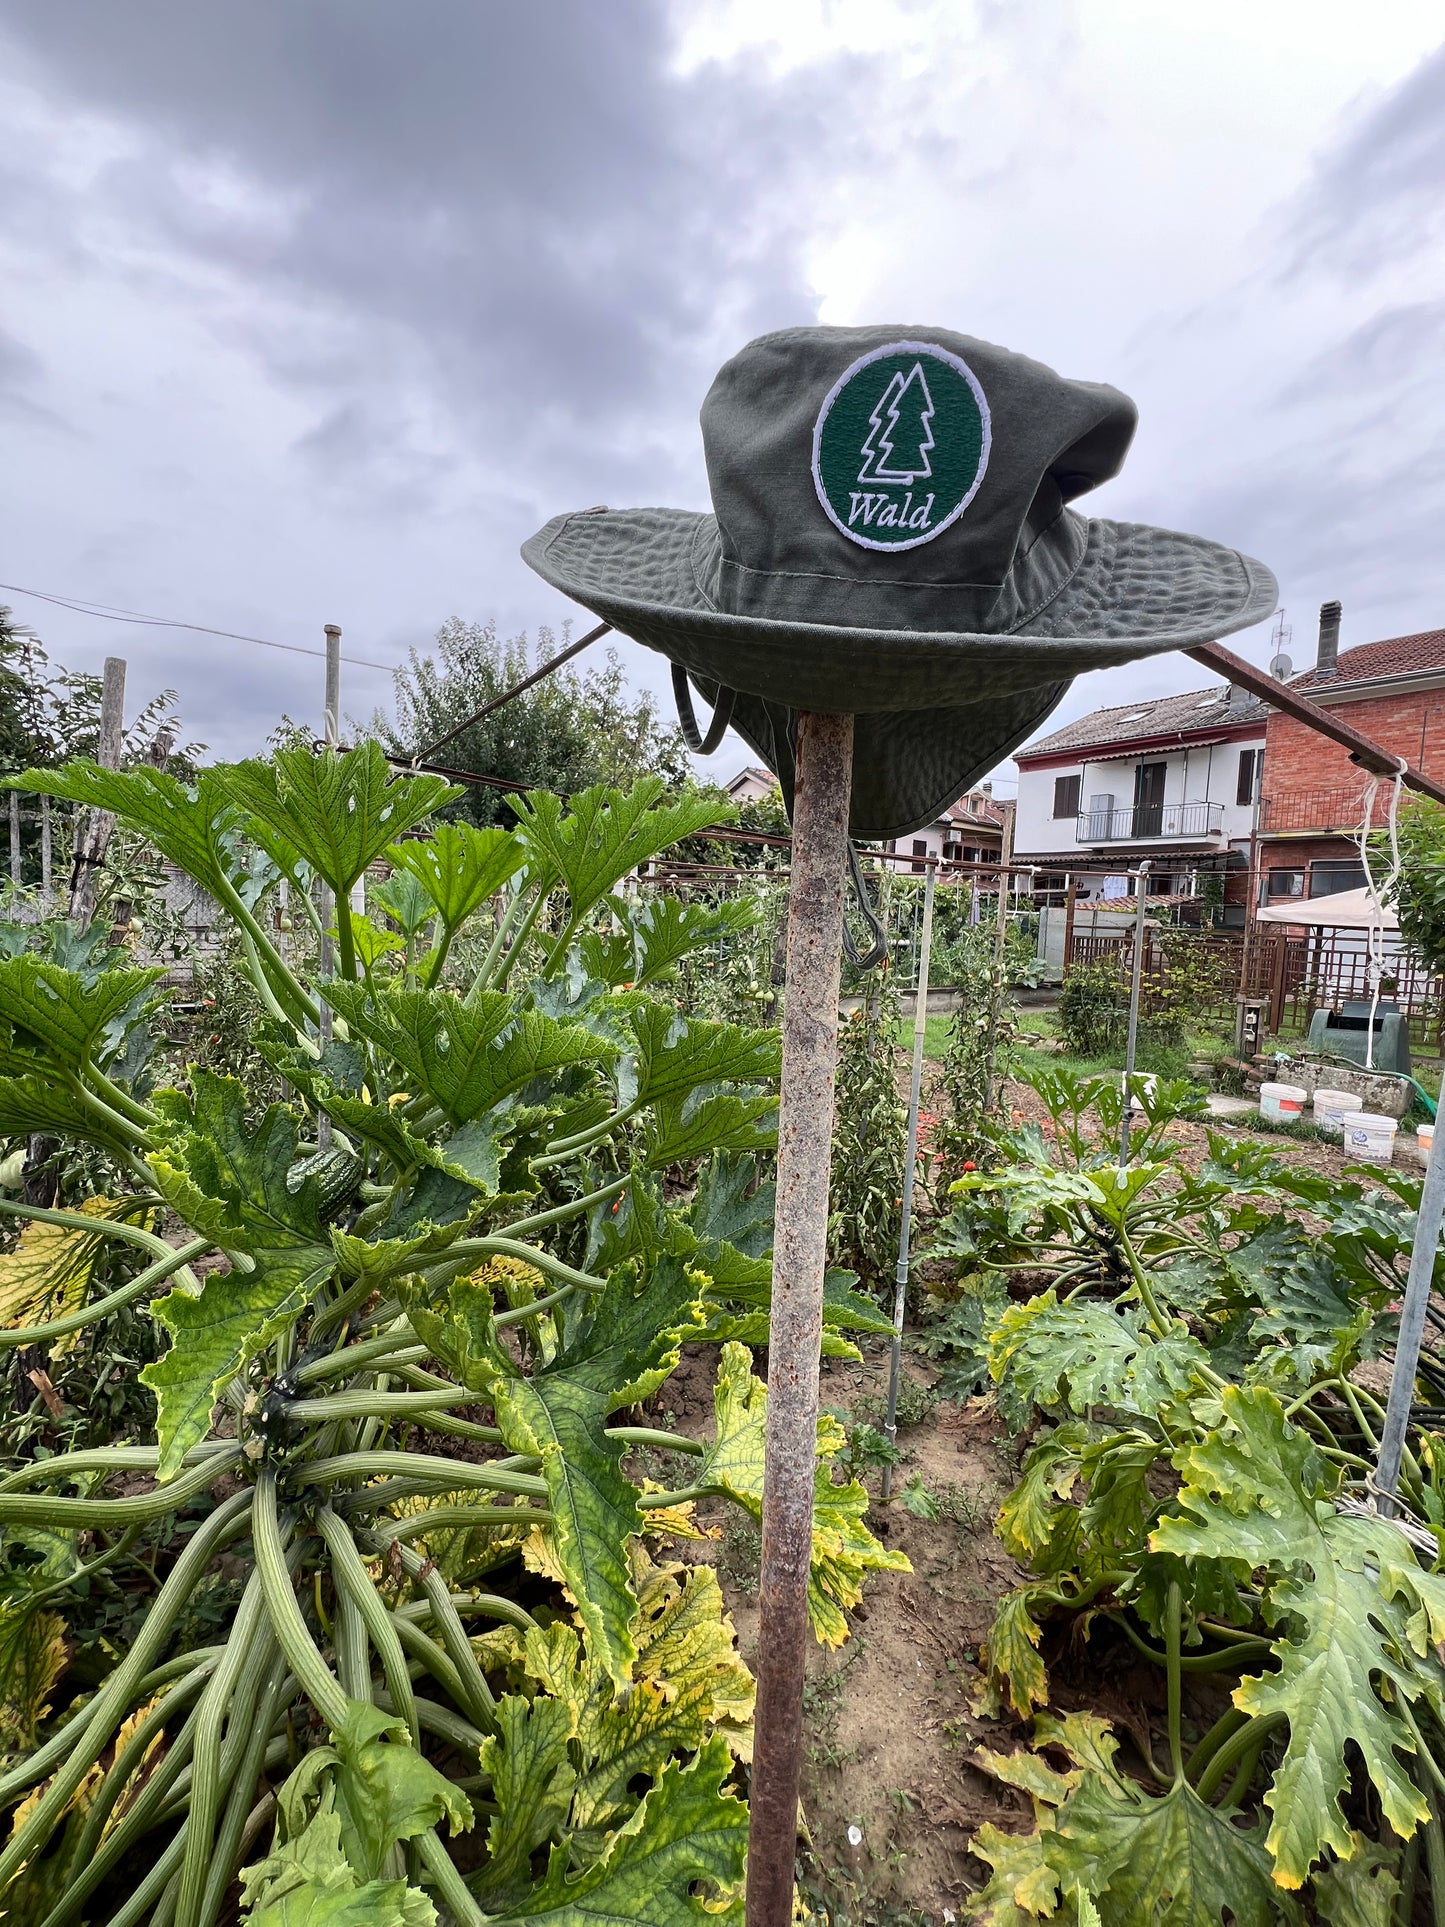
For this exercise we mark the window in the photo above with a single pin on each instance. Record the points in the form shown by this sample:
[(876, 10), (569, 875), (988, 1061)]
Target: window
[(920, 848), (1284, 883), (1066, 795), (1329, 877), (952, 852), (1251, 763)]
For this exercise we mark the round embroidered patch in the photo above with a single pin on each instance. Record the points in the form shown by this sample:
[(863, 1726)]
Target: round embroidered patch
[(900, 445)]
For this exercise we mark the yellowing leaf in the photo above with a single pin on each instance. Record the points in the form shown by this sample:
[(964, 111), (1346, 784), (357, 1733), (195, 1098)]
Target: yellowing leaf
[(32, 1658), (46, 1274), (844, 1550)]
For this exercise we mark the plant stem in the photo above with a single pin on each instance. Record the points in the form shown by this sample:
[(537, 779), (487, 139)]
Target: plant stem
[(500, 1247), (519, 942), (132, 1234), (392, 1347), (26, 1509), (563, 1148), (368, 1404), (352, 1578), (207, 1787), (494, 949), (416, 1525), (1174, 1613), (524, 1227), (1223, 1728), (447, 1474), (74, 1321), (317, 1680), (1234, 1749), (449, 1883), (665, 1441), (86, 1742)]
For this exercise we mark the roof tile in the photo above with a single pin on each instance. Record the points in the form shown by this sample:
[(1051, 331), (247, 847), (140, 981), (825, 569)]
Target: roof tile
[(1193, 713)]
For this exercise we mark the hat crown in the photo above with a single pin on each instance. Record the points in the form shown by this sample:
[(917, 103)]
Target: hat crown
[(900, 478)]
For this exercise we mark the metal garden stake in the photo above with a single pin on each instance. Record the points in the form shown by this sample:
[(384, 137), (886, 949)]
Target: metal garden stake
[(900, 1282), (1140, 877), (1412, 1327), (795, 1332)]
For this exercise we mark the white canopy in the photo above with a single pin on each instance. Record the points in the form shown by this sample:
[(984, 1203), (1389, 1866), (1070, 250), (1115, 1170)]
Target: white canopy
[(1345, 910)]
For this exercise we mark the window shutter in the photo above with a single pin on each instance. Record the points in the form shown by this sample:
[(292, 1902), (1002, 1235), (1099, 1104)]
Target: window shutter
[(1066, 795), (1249, 761)]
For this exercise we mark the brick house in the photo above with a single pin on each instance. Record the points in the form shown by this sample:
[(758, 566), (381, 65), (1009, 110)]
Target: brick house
[(1312, 797)]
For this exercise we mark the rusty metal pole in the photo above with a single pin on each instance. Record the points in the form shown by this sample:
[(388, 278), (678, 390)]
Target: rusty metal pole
[(805, 1142)]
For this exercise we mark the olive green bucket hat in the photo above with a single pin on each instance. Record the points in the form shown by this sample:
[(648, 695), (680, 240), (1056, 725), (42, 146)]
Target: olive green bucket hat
[(891, 535)]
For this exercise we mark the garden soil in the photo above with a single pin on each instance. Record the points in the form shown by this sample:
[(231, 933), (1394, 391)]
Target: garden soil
[(891, 1791)]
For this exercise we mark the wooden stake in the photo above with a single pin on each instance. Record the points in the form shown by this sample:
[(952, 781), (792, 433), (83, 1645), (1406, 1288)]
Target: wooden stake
[(327, 906), (93, 834), (45, 846), (15, 838), (805, 1141)]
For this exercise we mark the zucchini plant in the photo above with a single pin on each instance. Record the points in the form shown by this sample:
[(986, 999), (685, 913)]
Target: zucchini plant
[(409, 1315), (1201, 1484)]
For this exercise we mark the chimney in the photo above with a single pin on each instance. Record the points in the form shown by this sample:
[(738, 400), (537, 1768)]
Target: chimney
[(1328, 659), (1239, 698)]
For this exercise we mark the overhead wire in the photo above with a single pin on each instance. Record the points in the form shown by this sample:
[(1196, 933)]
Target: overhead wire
[(109, 612)]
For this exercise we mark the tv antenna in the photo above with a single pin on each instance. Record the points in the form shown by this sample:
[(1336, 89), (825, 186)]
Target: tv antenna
[(1281, 668)]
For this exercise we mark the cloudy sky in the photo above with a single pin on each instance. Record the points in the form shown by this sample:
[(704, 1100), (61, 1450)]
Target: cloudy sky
[(312, 310)]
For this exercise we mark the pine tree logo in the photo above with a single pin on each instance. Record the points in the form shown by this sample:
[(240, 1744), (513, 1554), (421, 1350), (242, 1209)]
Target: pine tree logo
[(900, 445), (899, 437)]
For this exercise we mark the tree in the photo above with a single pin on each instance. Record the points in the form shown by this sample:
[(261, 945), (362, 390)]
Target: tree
[(24, 738), (900, 435), (568, 732), (1419, 894)]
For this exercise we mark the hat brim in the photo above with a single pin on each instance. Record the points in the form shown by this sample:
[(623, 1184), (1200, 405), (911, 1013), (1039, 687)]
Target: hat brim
[(908, 765), (1137, 591)]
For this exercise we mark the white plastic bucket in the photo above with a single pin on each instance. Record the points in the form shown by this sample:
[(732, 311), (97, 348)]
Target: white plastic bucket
[(1331, 1108), (1424, 1138), (1370, 1136), (1284, 1103)]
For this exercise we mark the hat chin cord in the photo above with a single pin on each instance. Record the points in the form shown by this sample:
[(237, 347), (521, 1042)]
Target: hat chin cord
[(704, 744), (722, 714), (877, 950)]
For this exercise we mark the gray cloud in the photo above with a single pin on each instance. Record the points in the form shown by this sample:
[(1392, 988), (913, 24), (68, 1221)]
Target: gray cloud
[(1375, 195), (519, 210)]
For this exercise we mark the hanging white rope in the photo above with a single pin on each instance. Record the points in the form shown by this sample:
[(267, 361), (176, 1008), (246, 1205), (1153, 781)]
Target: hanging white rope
[(1378, 893)]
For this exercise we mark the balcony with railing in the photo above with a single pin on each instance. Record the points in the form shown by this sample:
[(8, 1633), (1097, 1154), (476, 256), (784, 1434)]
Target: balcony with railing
[(1146, 822), (1321, 811)]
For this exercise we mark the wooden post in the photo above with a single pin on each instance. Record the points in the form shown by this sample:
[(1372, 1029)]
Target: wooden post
[(331, 725), (805, 1142), (1276, 993), (45, 877), (15, 838), (93, 833)]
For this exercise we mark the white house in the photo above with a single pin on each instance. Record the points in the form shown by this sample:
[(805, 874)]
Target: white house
[(750, 784), (968, 831), (1174, 779)]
